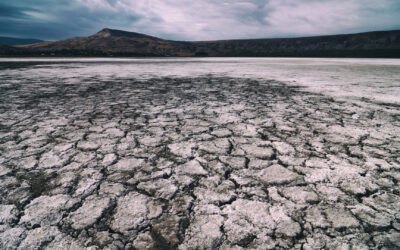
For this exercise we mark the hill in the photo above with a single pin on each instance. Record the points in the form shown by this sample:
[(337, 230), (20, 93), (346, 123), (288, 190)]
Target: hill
[(10, 41), (109, 42), (369, 44)]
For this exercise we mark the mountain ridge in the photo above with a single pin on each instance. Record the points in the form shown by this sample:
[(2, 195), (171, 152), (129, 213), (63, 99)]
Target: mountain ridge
[(111, 42), (11, 41), (107, 32)]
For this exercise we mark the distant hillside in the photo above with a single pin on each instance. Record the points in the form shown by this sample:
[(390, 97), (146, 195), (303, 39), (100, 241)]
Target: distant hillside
[(370, 44), (108, 42), (17, 41)]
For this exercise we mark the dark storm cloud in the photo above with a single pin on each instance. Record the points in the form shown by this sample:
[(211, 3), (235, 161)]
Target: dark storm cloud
[(196, 20), (52, 20), (10, 12), (39, 19)]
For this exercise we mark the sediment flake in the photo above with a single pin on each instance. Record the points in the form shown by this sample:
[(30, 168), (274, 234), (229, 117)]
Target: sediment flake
[(133, 212), (194, 163)]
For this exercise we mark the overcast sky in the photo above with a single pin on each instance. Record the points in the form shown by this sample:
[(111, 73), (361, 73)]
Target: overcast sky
[(196, 19)]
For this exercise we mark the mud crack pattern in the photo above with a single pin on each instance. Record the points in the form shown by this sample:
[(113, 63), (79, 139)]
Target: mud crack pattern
[(195, 163)]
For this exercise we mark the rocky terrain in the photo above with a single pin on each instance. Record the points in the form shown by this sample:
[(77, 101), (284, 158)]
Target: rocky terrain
[(194, 163), (109, 42)]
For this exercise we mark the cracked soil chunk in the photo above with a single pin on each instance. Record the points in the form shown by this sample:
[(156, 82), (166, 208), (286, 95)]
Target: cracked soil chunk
[(300, 195), (283, 148), (204, 232), (39, 237), (167, 232), (258, 152), (246, 219), (160, 188), (90, 211), (4, 170), (316, 218), (277, 175), (134, 211), (341, 219), (182, 149), (50, 160), (192, 167), (61, 243), (372, 217), (12, 238), (87, 145), (46, 210), (8, 214), (288, 229), (127, 164)]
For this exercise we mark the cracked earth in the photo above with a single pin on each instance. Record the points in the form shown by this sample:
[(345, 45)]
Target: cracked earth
[(195, 163)]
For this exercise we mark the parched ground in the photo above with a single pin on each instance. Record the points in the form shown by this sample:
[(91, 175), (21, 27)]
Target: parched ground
[(195, 163)]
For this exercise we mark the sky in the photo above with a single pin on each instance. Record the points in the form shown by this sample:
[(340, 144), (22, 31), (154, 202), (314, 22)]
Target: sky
[(191, 20)]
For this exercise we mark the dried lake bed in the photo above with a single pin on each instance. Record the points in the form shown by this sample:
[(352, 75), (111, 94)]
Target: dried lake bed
[(199, 153)]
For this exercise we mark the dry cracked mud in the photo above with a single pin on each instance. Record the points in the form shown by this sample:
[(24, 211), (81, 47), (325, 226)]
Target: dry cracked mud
[(195, 163)]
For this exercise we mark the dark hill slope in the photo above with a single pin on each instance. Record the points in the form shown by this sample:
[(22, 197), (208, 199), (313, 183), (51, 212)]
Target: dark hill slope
[(110, 42), (114, 42), (367, 44), (10, 41)]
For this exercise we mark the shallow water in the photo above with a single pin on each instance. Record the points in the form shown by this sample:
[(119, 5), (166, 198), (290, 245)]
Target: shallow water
[(375, 79)]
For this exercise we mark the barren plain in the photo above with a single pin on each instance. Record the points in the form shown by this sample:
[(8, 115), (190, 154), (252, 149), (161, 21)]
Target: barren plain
[(96, 155)]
